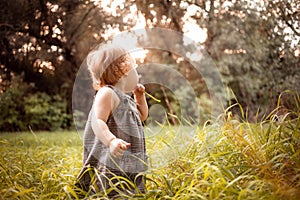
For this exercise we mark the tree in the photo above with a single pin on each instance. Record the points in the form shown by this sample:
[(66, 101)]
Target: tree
[(251, 44), (254, 44), (45, 42)]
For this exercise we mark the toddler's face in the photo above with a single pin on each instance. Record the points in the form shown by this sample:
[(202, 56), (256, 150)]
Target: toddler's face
[(131, 78)]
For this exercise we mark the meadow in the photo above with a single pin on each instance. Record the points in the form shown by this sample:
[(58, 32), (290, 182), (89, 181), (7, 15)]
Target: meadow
[(226, 159)]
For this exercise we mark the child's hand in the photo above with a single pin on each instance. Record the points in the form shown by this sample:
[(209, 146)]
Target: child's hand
[(117, 147), (139, 90)]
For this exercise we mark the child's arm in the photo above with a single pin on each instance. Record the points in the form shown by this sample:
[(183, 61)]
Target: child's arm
[(139, 96), (105, 102)]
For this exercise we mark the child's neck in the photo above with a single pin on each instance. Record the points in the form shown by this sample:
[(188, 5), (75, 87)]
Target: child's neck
[(120, 86)]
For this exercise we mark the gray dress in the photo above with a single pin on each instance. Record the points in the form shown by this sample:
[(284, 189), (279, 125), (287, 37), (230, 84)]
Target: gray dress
[(125, 124)]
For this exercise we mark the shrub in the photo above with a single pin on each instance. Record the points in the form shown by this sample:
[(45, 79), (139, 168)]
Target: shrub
[(39, 111), (11, 107), (45, 112)]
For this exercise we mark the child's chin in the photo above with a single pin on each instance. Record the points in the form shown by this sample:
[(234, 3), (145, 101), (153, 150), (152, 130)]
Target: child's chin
[(128, 90)]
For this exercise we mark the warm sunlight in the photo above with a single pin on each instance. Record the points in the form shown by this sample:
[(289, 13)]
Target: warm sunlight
[(211, 111), (191, 31), (139, 54)]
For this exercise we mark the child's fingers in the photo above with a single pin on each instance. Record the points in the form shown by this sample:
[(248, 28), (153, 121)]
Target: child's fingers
[(118, 147), (125, 145), (118, 152), (140, 85), (139, 89)]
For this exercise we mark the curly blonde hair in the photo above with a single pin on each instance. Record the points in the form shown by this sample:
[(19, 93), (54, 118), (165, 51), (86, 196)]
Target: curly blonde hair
[(107, 64)]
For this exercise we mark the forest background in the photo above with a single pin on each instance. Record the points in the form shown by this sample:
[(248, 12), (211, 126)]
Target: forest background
[(254, 44)]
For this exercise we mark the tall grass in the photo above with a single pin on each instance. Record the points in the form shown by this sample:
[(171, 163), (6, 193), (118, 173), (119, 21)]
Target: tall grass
[(233, 159), (246, 161), (38, 166), (227, 159)]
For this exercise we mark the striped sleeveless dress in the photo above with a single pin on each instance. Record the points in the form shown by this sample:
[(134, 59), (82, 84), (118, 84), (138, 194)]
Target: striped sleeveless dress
[(125, 124)]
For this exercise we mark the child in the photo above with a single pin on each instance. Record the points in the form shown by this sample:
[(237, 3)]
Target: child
[(114, 143)]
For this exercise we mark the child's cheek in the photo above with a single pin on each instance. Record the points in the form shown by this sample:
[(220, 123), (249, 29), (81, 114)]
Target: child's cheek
[(131, 83)]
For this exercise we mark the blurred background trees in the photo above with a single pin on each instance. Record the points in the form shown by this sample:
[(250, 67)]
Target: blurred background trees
[(254, 44)]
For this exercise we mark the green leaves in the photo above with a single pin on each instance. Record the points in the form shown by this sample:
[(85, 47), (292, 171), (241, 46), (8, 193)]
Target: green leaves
[(44, 112), (21, 111)]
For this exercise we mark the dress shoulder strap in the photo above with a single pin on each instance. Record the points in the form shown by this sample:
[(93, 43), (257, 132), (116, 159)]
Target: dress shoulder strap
[(118, 92)]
